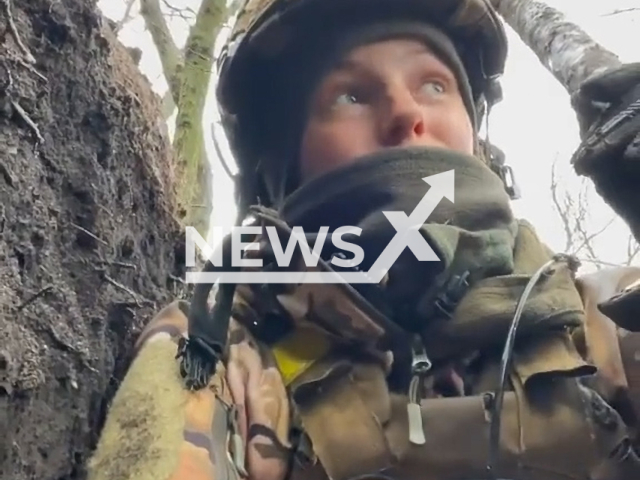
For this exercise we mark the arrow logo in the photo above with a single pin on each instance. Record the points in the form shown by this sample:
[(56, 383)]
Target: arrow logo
[(408, 228)]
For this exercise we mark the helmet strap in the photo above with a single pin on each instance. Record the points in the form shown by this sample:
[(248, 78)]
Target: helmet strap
[(495, 156)]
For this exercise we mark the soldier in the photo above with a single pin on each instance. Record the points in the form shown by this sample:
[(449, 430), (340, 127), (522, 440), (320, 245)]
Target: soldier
[(474, 366)]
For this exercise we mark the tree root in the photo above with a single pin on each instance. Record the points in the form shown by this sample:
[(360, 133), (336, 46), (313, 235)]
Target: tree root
[(34, 297), (20, 111), (14, 32)]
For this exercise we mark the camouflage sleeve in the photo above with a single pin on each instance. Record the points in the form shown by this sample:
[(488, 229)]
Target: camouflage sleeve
[(158, 430), (258, 391)]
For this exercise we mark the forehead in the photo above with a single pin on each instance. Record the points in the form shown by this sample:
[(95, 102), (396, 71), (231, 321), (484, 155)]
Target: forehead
[(388, 53), (395, 48)]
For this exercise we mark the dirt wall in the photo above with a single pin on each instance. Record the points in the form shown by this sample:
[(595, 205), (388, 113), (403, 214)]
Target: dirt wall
[(89, 247)]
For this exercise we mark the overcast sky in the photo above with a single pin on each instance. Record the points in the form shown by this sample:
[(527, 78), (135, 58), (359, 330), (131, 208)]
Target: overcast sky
[(534, 124)]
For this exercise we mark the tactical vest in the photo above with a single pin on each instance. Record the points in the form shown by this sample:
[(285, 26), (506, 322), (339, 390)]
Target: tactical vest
[(353, 425), (347, 423)]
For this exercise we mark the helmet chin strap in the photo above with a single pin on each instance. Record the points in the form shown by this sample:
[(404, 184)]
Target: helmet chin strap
[(497, 160), (237, 178)]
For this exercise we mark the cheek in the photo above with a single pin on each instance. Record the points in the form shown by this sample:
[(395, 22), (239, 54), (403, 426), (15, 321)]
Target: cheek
[(328, 147), (453, 129)]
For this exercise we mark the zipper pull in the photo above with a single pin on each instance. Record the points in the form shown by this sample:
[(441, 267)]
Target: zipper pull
[(420, 367)]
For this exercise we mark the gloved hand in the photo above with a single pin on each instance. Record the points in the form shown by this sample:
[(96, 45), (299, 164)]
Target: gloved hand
[(608, 109), (613, 88)]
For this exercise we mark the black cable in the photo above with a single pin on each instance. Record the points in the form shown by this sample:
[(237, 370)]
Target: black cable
[(507, 356)]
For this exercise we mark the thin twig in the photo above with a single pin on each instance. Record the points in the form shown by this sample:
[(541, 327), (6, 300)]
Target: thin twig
[(34, 298), (574, 215), (177, 279), (84, 230), (588, 238), (70, 348), (621, 10), (127, 15), (600, 263), (20, 111), (14, 31), (633, 248), (32, 70), (170, 55), (28, 63), (119, 264), (105, 210), (179, 12), (562, 212), (136, 297)]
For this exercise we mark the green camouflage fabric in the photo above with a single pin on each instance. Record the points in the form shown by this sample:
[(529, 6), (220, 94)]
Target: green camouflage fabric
[(157, 430), (239, 427), (553, 427)]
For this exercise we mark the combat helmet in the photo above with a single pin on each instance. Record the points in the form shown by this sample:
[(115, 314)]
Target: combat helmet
[(265, 30)]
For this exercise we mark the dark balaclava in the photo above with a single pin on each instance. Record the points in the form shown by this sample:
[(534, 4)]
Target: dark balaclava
[(303, 68)]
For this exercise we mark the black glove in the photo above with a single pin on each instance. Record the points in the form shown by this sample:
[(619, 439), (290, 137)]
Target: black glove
[(608, 108)]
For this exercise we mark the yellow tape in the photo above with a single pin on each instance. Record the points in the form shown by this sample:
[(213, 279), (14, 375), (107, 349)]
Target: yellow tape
[(298, 351)]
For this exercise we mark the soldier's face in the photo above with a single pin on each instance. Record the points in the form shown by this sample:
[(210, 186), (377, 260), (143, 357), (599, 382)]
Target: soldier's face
[(394, 93)]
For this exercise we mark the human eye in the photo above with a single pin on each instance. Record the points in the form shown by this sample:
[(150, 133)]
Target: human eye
[(347, 98), (344, 97), (433, 87)]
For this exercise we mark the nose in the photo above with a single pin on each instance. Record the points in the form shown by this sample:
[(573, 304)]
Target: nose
[(404, 122)]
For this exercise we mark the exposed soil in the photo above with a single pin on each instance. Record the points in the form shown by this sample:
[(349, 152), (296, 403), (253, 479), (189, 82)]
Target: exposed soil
[(89, 246)]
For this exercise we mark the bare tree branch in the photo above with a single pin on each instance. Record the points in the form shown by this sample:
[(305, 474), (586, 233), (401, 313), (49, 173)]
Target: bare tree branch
[(588, 238), (168, 105), (193, 169), (574, 216), (621, 10), (127, 15), (600, 263), (561, 210), (572, 56), (194, 190), (633, 248), (566, 50), (169, 53), (179, 12)]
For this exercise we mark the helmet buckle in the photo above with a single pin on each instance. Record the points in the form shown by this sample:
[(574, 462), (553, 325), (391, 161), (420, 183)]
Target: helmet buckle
[(510, 185)]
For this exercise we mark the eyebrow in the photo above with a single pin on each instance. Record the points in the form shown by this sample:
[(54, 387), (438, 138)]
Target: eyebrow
[(346, 64)]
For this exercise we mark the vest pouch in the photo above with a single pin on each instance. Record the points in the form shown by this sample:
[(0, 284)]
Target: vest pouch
[(483, 317), (560, 432), (552, 427), (565, 425), (342, 407)]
